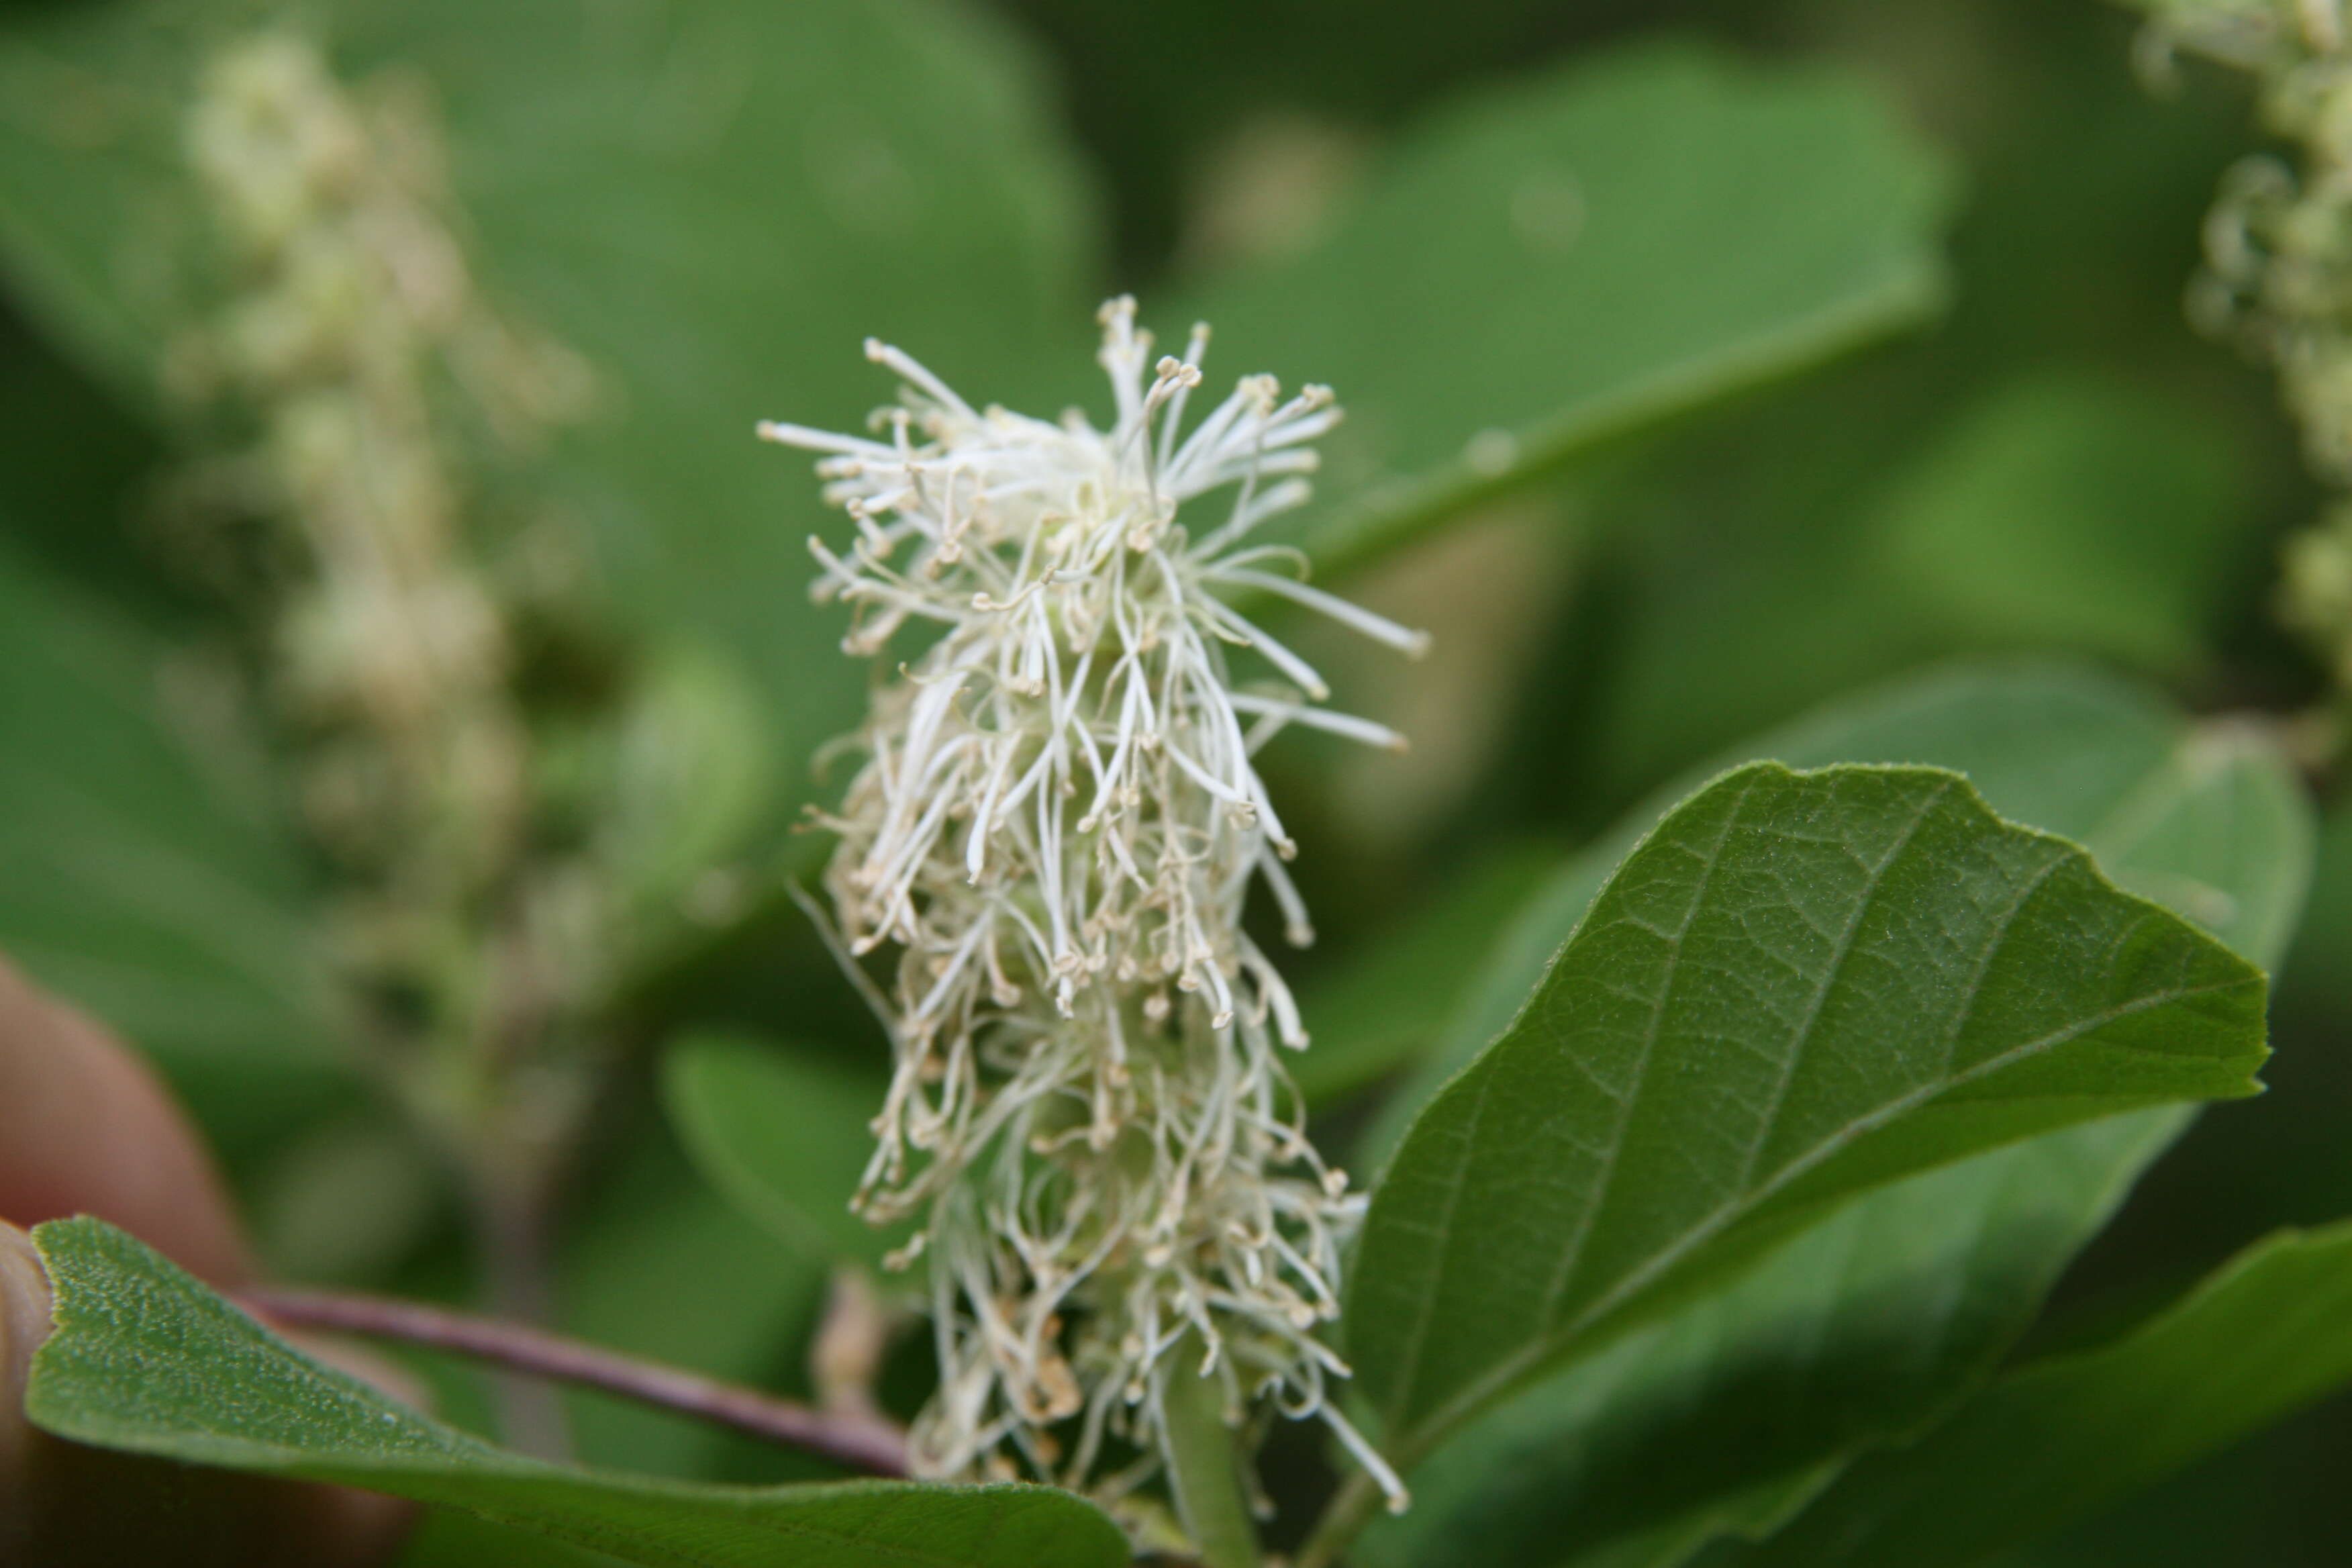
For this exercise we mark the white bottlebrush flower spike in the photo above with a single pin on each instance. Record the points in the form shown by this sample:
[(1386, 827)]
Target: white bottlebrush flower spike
[(1055, 826)]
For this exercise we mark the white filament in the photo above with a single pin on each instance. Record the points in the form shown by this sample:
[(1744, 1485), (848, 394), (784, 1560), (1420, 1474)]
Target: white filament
[(1055, 827)]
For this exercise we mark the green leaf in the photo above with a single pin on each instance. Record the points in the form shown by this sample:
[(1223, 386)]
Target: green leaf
[(692, 773), (1800, 987), (2316, 974), (137, 879), (1738, 1408), (785, 1137), (2267, 1334), (1821, 523), (1581, 255), (147, 1360), (445, 1540), (2207, 818), (1862, 1330), (716, 204)]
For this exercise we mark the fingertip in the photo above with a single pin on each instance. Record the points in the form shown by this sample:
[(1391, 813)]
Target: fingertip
[(86, 1127), (24, 1324)]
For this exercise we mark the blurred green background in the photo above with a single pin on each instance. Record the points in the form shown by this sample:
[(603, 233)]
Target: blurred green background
[(2020, 448)]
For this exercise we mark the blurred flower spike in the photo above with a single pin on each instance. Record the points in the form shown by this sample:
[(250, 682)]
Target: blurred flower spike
[(1055, 827), (2278, 260)]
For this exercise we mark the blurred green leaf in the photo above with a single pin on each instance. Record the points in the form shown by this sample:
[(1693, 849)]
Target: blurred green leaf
[(717, 204), (713, 204), (74, 469), (2317, 973), (143, 1355), (97, 223), (1883, 977), (2062, 511), (1391, 997), (784, 1136), (694, 770), (1884, 518), (135, 878), (1575, 257), (2268, 1333), (638, 1218), (346, 1198)]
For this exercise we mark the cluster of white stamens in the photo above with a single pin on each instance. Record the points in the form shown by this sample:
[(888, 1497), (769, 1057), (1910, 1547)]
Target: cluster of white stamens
[(1056, 825)]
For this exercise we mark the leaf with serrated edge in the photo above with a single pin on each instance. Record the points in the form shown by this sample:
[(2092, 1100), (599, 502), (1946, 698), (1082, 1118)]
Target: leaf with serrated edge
[(1800, 987), (2207, 819), (147, 1360), (1897, 1308)]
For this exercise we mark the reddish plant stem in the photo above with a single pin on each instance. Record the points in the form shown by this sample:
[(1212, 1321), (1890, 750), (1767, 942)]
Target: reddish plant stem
[(861, 1442)]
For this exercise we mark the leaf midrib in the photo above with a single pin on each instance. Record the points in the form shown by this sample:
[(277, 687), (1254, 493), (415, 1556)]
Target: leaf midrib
[(1573, 1252), (1459, 1178), (1390, 509), (1834, 971)]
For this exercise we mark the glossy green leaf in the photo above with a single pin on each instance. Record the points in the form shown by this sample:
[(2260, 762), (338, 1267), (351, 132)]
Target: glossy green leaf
[(138, 879), (1800, 987), (785, 1136), (1581, 255), (1740, 1406), (147, 1360), (2270, 1332)]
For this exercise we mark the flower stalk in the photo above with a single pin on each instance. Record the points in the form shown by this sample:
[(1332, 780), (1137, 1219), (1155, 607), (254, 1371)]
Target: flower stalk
[(492, 780)]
